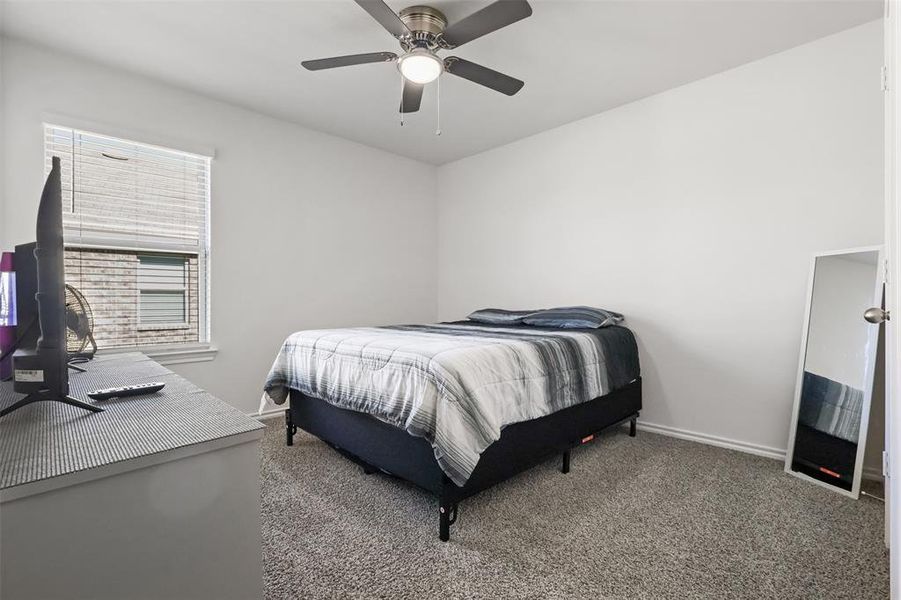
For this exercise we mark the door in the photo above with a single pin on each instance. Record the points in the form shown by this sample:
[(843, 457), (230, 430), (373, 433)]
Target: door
[(892, 466)]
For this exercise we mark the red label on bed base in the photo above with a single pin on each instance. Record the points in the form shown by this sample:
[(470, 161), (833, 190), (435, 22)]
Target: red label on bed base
[(587, 439), (828, 472)]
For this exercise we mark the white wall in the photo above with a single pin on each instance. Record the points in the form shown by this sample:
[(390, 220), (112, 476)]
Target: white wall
[(2, 151), (308, 230), (694, 212)]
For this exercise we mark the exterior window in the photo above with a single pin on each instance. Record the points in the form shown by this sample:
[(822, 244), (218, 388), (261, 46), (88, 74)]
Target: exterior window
[(163, 291), (136, 231)]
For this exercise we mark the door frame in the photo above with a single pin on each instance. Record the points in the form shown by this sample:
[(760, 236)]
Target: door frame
[(891, 462)]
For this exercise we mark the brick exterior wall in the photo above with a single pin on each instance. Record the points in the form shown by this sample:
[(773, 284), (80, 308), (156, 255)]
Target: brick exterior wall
[(108, 279)]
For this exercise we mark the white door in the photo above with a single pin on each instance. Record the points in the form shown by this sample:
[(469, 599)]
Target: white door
[(893, 290)]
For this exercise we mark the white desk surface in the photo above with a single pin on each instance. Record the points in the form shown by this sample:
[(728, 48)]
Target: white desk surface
[(48, 445)]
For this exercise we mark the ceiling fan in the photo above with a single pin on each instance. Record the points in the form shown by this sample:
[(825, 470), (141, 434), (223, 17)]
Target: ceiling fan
[(422, 31)]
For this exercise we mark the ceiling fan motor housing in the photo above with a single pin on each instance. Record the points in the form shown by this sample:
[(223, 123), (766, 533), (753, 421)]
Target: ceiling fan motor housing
[(426, 25)]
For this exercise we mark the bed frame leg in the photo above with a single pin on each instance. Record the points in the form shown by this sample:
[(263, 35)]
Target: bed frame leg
[(290, 428), (447, 516), (566, 456), (632, 424)]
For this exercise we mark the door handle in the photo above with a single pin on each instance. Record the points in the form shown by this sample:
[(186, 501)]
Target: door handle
[(876, 315)]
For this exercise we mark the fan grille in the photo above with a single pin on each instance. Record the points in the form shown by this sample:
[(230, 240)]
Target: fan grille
[(79, 324)]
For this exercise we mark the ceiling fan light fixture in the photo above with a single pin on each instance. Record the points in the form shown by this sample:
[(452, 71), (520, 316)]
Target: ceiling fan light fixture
[(420, 66)]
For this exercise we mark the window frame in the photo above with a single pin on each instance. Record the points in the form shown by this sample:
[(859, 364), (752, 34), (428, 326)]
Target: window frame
[(183, 352)]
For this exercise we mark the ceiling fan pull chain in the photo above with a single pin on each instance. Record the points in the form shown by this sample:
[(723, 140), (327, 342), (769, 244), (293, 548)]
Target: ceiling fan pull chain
[(438, 105), (401, 100)]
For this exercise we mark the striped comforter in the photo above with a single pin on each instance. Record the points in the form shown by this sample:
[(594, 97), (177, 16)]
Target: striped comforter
[(831, 407), (455, 384)]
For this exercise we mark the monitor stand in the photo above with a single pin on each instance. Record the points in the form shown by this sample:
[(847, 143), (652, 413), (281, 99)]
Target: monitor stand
[(30, 359), (46, 395)]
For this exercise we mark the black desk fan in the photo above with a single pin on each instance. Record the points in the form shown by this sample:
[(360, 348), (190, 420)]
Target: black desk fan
[(80, 343)]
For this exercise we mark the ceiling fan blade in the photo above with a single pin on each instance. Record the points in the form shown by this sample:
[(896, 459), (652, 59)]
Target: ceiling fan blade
[(491, 18), (386, 17), (482, 75), (412, 97), (347, 61)]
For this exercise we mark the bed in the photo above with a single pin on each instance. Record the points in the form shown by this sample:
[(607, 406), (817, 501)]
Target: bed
[(455, 408)]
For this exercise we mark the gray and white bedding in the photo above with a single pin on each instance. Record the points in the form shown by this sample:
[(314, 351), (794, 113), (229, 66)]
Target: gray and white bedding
[(455, 384)]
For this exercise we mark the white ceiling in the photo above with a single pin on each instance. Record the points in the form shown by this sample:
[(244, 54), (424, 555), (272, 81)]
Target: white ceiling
[(577, 58)]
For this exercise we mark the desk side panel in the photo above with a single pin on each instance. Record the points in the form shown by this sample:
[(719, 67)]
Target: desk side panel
[(188, 528)]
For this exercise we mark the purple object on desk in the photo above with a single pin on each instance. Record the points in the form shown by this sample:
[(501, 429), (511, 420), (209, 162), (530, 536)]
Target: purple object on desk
[(7, 311)]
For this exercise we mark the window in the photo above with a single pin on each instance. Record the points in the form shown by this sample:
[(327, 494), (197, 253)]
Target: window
[(163, 291), (136, 231)]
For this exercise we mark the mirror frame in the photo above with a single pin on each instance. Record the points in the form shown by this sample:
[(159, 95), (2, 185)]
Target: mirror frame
[(869, 373)]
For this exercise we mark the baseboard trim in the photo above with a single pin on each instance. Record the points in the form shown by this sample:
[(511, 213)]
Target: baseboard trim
[(872, 474), (267, 414), (869, 473), (713, 440)]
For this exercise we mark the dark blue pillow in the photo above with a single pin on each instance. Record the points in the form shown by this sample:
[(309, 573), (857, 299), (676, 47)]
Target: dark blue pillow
[(499, 316), (573, 317)]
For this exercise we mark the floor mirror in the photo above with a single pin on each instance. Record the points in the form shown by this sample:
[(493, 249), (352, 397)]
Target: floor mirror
[(836, 373)]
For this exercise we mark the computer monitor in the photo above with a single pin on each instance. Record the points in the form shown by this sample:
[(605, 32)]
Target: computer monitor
[(27, 327), (40, 366)]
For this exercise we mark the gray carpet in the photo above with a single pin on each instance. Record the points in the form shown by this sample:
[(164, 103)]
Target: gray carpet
[(649, 517)]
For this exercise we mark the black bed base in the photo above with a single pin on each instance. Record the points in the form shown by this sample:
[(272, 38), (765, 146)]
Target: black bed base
[(377, 446)]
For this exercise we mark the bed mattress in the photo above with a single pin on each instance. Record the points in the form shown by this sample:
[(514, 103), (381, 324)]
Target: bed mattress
[(455, 384)]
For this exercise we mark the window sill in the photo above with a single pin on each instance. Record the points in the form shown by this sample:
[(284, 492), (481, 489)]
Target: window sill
[(164, 327), (174, 355)]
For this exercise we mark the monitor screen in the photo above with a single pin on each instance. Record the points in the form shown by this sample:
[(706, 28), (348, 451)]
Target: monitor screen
[(7, 299)]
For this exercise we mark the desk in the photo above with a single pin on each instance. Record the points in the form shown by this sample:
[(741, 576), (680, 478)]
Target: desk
[(157, 497)]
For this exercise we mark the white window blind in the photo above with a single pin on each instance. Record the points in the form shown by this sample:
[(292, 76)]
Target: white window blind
[(136, 231), (123, 194), (163, 290)]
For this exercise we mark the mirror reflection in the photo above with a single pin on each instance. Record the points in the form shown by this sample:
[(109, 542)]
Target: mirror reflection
[(836, 379)]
